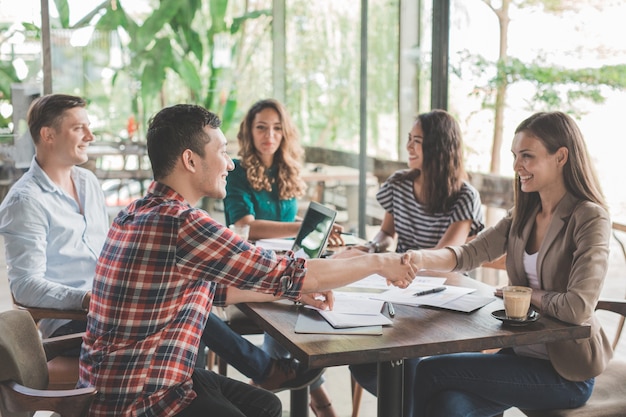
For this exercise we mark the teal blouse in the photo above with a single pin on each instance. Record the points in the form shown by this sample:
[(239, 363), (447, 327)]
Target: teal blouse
[(242, 200)]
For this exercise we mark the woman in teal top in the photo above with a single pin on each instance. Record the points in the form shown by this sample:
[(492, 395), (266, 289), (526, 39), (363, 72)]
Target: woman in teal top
[(243, 200), (262, 191), (263, 188)]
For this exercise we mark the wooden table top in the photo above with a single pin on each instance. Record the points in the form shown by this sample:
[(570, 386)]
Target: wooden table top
[(416, 331)]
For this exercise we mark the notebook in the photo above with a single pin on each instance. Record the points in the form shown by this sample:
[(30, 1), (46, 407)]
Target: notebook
[(310, 322), (314, 231)]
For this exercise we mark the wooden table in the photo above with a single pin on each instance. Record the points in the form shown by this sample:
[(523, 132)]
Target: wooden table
[(416, 332)]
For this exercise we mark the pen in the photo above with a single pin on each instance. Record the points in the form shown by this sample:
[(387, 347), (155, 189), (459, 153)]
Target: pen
[(392, 311), (430, 291)]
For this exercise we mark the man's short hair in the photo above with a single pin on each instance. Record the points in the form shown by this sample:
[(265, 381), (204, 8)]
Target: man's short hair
[(173, 130), (48, 110)]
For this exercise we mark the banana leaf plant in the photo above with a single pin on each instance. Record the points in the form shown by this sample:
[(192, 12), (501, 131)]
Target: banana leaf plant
[(176, 44)]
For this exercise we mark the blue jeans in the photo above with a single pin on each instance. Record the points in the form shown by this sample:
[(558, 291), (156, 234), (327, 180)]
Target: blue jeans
[(367, 376), (483, 384), (236, 350)]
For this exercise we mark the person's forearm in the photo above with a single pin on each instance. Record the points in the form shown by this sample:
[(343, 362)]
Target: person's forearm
[(326, 274), (267, 229), (437, 259), (235, 295)]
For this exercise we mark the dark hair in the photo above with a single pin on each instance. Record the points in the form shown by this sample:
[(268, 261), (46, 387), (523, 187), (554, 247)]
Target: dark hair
[(48, 111), (556, 130), (442, 162), (287, 158), (173, 130)]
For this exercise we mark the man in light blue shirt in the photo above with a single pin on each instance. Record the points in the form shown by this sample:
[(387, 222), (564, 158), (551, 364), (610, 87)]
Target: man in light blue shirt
[(54, 219)]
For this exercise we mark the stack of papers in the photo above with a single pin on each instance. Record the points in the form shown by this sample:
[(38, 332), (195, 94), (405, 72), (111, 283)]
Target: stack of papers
[(452, 298), (354, 310), (357, 308)]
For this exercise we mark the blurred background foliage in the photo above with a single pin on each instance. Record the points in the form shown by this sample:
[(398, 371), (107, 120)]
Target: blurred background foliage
[(130, 61)]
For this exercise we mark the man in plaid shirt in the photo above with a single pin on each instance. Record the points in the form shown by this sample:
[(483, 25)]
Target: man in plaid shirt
[(165, 263)]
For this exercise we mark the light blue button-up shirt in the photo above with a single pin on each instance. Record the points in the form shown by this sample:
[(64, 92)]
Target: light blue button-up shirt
[(51, 247)]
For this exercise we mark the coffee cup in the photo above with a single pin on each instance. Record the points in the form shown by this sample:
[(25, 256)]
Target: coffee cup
[(516, 301), (242, 230)]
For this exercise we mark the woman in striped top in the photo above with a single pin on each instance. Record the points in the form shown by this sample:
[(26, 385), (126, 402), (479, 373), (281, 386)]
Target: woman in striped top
[(428, 205)]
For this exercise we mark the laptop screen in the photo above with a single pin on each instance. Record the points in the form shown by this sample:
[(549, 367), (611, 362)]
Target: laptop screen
[(314, 231)]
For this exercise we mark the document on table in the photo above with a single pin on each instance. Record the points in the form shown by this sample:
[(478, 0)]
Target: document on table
[(406, 296), (376, 281), (355, 310), (452, 298)]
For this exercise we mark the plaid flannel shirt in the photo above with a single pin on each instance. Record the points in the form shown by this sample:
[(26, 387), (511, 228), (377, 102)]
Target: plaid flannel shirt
[(163, 265)]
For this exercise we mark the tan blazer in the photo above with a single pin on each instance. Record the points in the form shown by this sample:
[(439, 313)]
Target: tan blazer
[(571, 266)]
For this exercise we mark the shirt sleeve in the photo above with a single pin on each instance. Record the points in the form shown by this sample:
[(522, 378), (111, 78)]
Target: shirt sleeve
[(384, 195), (208, 250), (238, 201), (469, 207)]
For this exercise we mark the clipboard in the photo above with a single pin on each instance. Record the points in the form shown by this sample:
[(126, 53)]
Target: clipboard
[(311, 322)]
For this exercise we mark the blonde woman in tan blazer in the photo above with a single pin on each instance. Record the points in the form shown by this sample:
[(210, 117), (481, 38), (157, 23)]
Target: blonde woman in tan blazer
[(556, 239)]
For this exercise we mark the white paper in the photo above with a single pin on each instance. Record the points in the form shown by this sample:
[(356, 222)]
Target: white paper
[(355, 303), (354, 310), (376, 281), (439, 299)]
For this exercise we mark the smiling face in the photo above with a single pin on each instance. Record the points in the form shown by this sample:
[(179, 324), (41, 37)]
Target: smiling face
[(70, 139), (215, 165), (414, 146), (537, 169), (267, 134)]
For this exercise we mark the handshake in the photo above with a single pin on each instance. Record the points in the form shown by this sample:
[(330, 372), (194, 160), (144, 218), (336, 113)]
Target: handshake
[(402, 267)]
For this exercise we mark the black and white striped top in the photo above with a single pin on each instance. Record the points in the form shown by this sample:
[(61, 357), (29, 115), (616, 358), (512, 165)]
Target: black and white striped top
[(418, 229)]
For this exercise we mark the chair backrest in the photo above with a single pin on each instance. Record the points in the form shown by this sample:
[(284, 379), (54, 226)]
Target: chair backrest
[(21, 351), (619, 230)]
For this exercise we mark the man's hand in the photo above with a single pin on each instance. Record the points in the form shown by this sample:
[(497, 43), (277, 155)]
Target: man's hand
[(322, 300)]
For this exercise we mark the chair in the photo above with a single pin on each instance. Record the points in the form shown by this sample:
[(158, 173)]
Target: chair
[(609, 393), (62, 370), (617, 229), (24, 385)]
